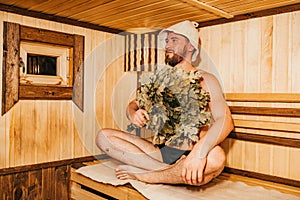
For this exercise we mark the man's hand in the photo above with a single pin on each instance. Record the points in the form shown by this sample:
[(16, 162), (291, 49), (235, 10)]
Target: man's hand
[(139, 117), (193, 169)]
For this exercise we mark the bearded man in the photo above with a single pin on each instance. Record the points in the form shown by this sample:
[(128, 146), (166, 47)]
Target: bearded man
[(192, 163)]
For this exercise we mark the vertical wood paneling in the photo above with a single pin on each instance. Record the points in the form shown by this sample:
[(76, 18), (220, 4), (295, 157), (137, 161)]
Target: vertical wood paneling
[(66, 143), (42, 145), (263, 158), (294, 163), (35, 184), (3, 146), (295, 51), (54, 130), (237, 152), (279, 167), (281, 53), (238, 54), (27, 132), (48, 183), (225, 47), (213, 50), (15, 137), (98, 59), (252, 65), (20, 185), (62, 178), (266, 54), (6, 183)]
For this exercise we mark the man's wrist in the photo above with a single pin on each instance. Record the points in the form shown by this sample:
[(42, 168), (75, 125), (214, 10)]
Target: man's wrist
[(203, 151)]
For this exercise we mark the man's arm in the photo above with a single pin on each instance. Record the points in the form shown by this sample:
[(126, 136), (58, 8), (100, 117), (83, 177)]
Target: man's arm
[(222, 123), (136, 115), (220, 127)]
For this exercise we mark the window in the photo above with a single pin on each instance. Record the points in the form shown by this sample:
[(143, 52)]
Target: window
[(41, 64), (45, 64)]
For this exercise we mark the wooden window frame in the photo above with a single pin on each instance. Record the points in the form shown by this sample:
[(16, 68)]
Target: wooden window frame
[(13, 91)]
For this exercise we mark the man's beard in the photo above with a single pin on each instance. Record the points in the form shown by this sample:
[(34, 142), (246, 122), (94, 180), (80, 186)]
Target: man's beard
[(174, 60)]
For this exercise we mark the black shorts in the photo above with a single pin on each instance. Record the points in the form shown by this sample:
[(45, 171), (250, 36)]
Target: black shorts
[(171, 155)]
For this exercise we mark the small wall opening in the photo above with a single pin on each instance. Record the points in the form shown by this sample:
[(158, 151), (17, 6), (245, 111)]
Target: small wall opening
[(41, 65)]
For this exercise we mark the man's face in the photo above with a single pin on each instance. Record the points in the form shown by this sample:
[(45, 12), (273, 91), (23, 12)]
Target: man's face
[(175, 49)]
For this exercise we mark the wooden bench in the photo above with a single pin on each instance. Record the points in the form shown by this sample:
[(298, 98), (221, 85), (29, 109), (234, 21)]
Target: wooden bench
[(271, 119), (85, 188)]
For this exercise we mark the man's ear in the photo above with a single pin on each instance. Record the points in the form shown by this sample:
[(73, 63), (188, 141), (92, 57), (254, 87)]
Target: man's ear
[(190, 48)]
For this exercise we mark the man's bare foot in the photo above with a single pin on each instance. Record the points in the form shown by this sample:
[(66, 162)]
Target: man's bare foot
[(169, 175), (125, 172)]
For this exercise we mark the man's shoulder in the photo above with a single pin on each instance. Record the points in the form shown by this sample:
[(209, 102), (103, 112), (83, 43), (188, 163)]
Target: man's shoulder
[(206, 75)]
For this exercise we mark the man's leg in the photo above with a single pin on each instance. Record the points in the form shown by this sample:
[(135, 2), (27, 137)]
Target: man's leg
[(130, 149), (172, 175)]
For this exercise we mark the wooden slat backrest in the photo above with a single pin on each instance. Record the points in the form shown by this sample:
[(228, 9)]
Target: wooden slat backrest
[(241, 118), (266, 119)]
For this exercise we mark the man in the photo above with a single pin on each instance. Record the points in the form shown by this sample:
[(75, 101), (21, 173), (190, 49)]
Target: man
[(199, 162)]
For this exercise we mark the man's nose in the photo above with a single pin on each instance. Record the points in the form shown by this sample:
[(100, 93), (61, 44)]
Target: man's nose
[(167, 43), (167, 46)]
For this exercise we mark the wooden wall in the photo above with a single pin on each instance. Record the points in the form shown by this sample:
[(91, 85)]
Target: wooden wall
[(37, 131), (259, 55)]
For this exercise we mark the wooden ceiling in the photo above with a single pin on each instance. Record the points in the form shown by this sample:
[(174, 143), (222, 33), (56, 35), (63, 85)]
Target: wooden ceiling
[(119, 15)]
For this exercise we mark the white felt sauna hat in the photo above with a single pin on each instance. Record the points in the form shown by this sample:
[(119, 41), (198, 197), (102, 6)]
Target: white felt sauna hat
[(185, 28)]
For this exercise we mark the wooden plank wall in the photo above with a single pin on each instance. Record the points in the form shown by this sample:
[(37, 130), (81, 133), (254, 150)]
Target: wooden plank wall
[(37, 131), (258, 56)]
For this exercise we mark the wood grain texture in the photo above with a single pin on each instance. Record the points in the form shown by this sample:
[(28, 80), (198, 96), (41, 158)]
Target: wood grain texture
[(78, 71), (44, 183), (45, 92), (10, 66), (46, 36)]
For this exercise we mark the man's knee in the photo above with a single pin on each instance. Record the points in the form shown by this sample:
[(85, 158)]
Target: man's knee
[(101, 135), (217, 158)]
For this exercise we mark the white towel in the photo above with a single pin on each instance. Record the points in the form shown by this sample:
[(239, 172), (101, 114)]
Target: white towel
[(215, 190)]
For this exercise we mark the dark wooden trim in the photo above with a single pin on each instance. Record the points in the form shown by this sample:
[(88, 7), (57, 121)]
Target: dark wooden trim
[(266, 111), (263, 97), (264, 177), (45, 92), (10, 69), (46, 36), (289, 142), (263, 13), (64, 20), (12, 170), (78, 72)]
